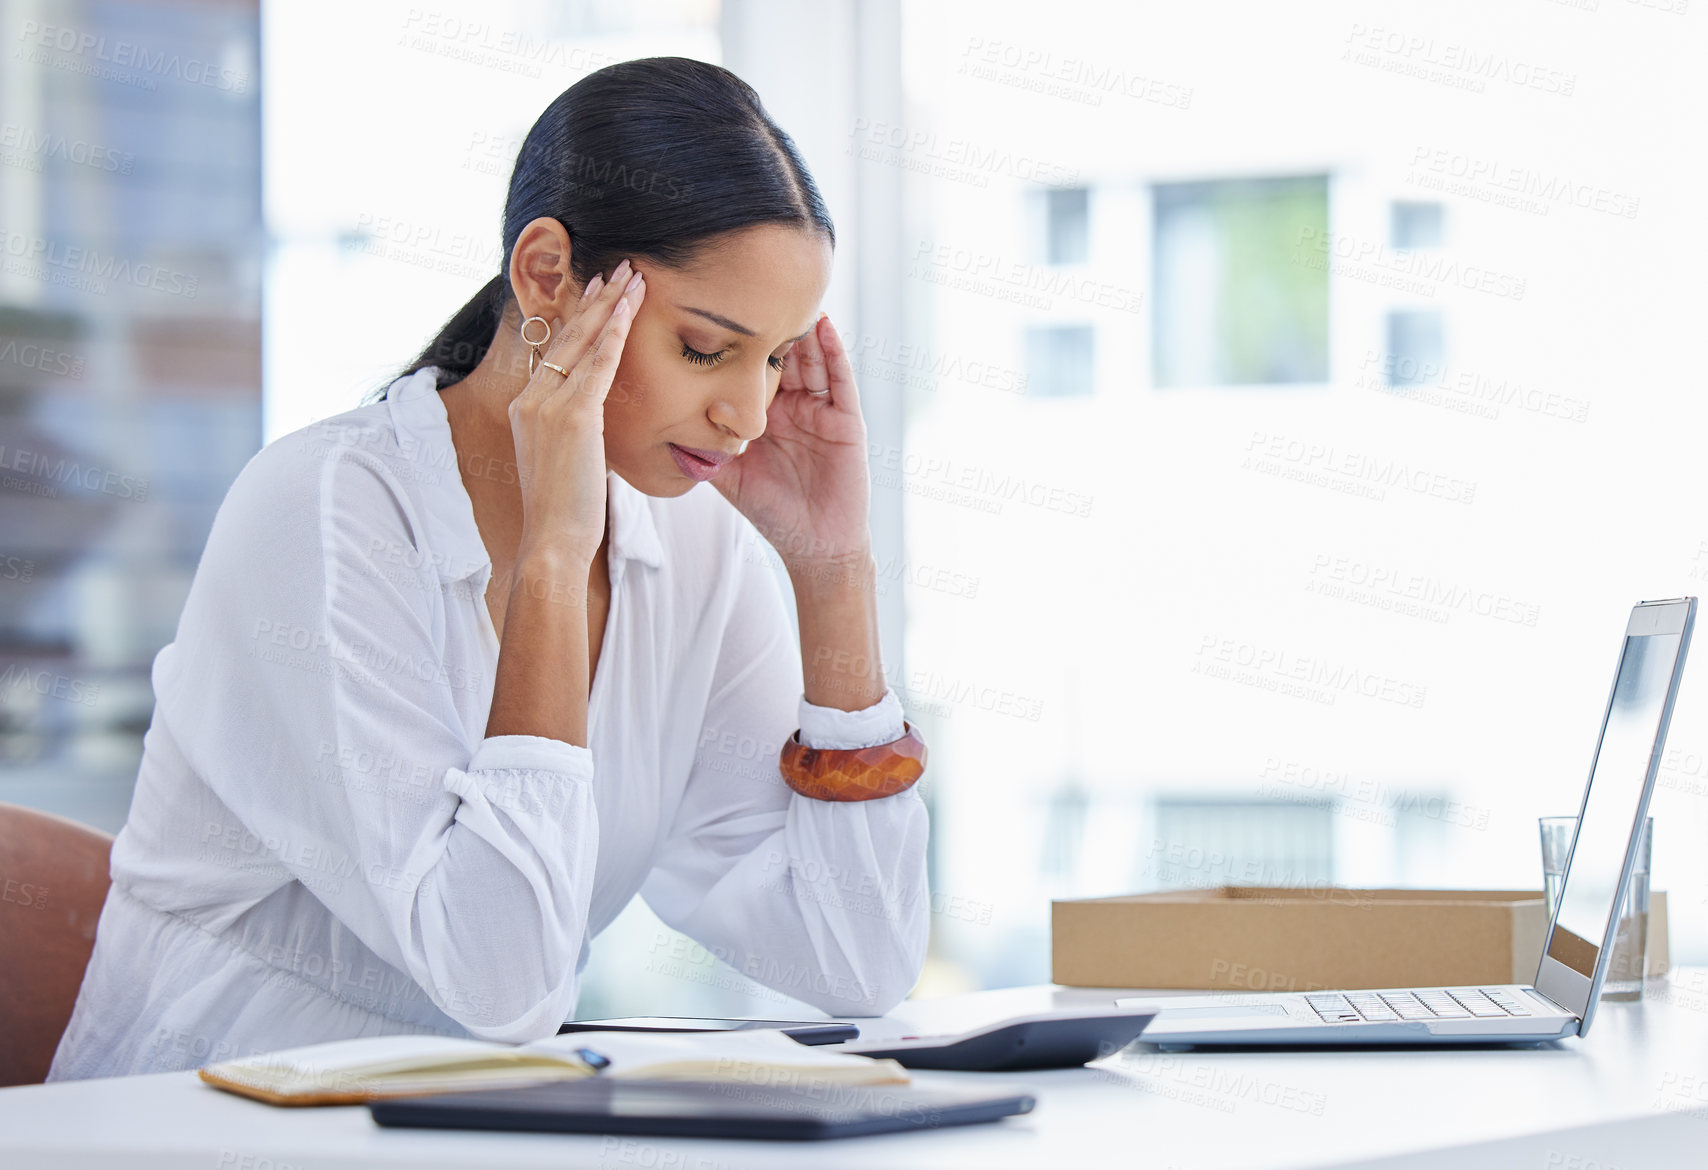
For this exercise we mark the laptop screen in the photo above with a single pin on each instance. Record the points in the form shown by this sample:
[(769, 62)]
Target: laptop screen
[(1629, 740)]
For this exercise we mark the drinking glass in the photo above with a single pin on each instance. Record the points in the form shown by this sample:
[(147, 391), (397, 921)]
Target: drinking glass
[(1630, 943)]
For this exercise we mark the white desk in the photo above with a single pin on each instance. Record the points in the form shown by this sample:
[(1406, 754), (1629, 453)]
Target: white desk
[(1633, 1095)]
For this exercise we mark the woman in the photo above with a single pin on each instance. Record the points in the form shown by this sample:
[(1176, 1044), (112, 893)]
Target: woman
[(465, 668)]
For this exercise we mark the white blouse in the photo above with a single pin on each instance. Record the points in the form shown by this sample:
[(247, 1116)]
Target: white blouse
[(324, 844)]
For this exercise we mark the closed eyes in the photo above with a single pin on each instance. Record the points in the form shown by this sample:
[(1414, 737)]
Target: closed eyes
[(712, 359)]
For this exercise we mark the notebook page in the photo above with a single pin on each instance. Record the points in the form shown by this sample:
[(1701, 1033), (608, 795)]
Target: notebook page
[(369, 1056)]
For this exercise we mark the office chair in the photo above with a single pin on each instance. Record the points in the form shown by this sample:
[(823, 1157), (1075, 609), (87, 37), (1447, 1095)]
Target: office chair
[(53, 882)]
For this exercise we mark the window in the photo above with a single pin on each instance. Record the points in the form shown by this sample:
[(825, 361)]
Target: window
[(1064, 830), (1416, 349), (1059, 360), (1240, 297), (1415, 225), (1067, 225)]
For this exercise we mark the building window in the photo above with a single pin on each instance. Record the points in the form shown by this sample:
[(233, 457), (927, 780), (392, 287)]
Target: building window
[(1067, 225), (1241, 283), (1064, 831), (1415, 225), (1059, 360), (1240, 842), (1416, 346)]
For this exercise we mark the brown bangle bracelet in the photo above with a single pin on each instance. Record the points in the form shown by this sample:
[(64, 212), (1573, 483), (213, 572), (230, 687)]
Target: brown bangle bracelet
[(853, 773)]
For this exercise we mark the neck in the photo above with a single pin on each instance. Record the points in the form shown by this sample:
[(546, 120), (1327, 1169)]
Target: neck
[(484, 398), (478, 409)]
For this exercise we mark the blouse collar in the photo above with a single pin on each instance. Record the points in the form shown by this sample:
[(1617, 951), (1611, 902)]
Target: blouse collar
[(424, 437)]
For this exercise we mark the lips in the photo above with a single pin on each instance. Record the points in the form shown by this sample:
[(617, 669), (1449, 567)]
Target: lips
[(715, 458), (697, 464)]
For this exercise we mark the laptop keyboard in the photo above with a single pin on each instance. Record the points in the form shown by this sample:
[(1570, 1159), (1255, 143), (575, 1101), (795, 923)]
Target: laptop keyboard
[(1355, 1007)]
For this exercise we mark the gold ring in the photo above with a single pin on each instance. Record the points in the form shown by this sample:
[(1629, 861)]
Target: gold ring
[(554, 366)]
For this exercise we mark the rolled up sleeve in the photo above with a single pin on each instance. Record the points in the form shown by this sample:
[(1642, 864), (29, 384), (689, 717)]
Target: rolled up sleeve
[(824, 901)]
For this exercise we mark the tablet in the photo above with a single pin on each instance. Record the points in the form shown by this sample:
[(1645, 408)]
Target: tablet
[(701, 1109)]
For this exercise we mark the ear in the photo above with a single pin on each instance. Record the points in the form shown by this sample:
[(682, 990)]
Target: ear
[(540, 271)]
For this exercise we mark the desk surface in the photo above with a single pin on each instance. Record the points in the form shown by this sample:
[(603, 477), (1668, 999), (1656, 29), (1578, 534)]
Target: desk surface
[(1634, 1093)]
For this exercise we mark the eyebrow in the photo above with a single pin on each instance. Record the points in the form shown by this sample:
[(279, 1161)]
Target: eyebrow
[(728, 324)]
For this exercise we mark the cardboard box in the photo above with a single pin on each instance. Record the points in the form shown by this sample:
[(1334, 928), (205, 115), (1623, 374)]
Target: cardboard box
[(1257, 938)]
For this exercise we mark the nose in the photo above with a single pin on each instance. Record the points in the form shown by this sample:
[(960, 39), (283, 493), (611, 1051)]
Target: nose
[(740, 408)]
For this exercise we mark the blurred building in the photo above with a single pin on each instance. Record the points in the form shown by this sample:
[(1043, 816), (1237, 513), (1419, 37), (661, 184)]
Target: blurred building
[(1295, 409), (130, 363)]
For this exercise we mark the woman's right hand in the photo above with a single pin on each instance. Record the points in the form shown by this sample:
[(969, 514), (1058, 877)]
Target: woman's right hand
[(558, 422)]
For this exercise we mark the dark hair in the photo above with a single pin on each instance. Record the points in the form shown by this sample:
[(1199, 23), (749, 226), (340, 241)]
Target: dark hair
[(654, 158)]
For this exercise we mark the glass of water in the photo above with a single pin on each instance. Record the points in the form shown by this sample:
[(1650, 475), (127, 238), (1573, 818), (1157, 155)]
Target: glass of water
[(1630, 946)]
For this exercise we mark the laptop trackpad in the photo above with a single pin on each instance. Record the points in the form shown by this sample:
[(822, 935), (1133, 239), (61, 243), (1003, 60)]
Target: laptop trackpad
[(1169, 1015)]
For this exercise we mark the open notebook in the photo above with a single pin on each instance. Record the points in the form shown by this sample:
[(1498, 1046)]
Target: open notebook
[(345, 1072)]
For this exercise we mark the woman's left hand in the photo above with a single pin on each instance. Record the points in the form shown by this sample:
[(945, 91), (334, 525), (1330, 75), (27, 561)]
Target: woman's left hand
[(804, 483)]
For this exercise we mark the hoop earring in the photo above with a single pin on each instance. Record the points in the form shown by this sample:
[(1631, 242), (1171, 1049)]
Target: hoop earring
[(535, 357)]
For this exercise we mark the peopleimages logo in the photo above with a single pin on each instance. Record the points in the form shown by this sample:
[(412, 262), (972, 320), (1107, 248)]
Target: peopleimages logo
[(968, 160), (1448, 62), (1072, 78), (130, 55), (40, 144), (18, 677), (1305, 676), (1466, 174), (934, 475), (1374, 581), (1016, 281), (44, 475), (31, 356), (1353, 472), (1411, 270), (93, 264)]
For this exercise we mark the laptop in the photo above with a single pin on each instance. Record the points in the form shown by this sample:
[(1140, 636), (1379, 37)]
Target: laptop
[(1561, 1000)]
